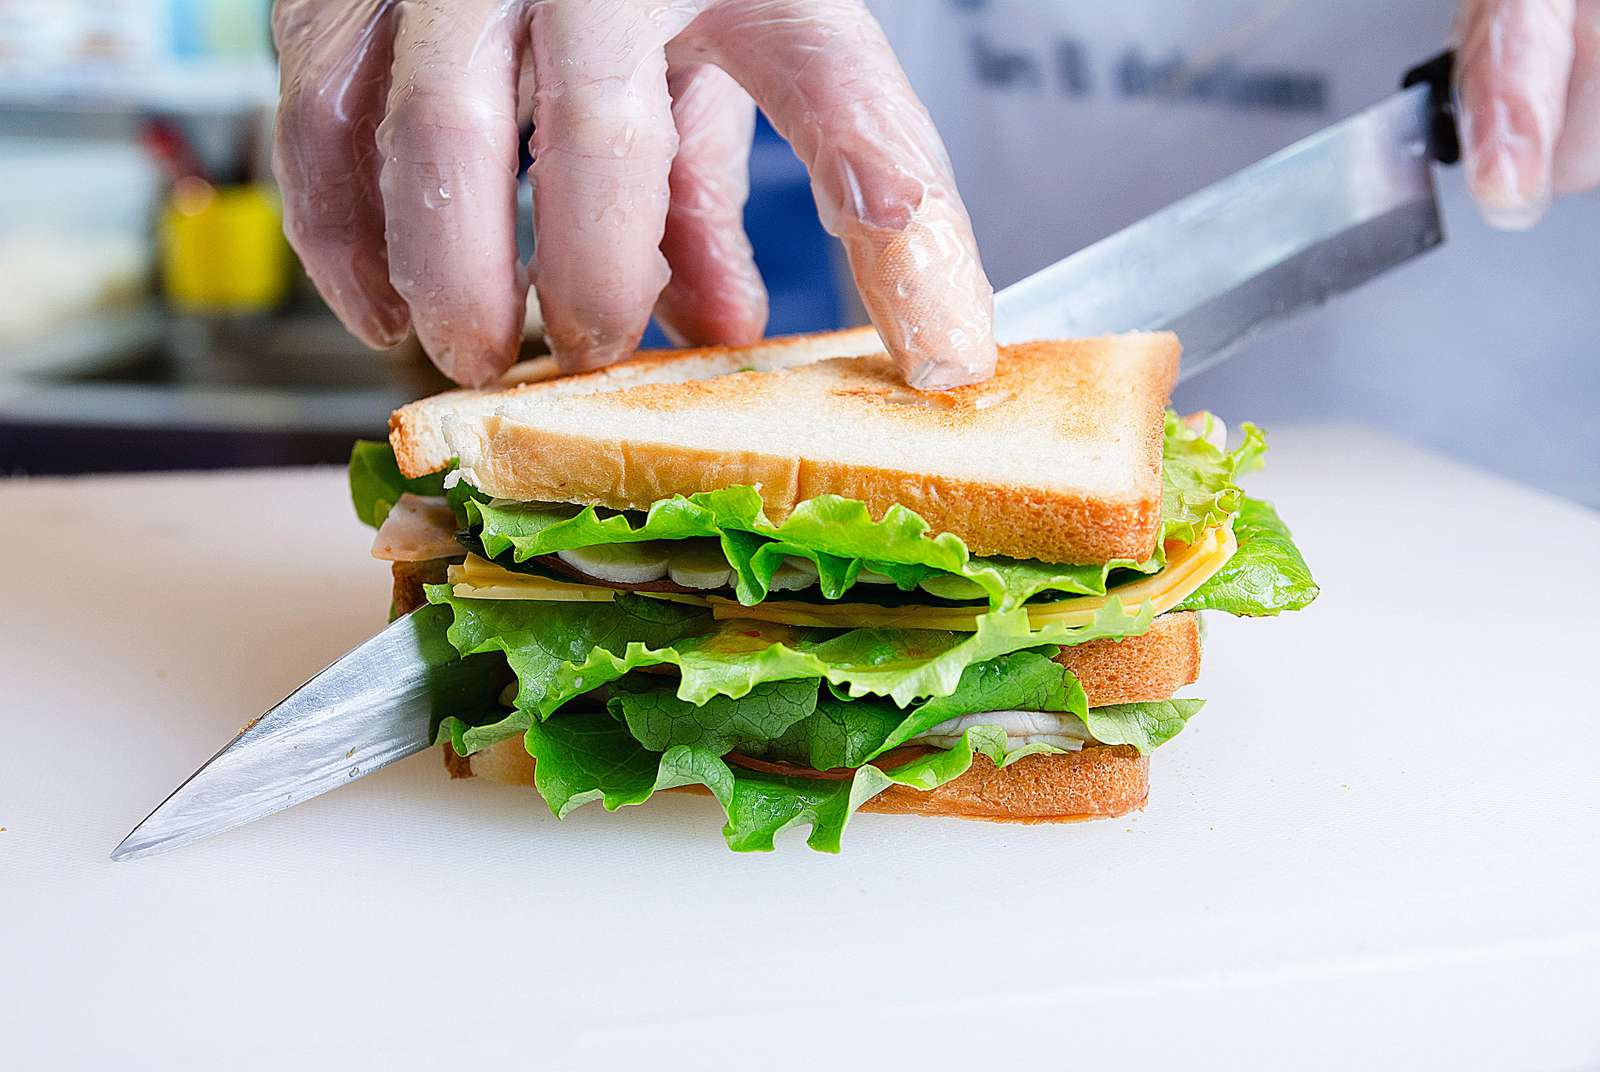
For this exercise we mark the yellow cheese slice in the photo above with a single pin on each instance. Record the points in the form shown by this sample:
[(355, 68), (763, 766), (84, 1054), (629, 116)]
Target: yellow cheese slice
[(1186, 570), (478, 578)]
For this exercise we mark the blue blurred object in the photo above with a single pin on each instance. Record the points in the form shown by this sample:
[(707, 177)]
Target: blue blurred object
[(792, 249)]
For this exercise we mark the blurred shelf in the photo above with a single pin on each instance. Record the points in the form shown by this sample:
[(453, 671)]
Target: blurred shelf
[(146, 390), (198, 87), (85, 345), (176, 407)]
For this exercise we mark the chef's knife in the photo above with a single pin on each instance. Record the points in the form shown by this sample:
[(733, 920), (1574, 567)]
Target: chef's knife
[(379, 703), (1309, 222)]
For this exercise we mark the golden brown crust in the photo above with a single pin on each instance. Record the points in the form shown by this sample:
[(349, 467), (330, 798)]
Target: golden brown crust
[(409, 577), (1100, 782), (1151, 666), (415, 429), (1075, 390), (506, 762), (461, 766)]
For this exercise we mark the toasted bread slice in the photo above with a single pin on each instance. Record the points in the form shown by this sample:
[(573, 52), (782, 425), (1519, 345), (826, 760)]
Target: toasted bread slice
[(1099, 782), (406, 594), (416, 431), (1057, 458), (1151, 666)]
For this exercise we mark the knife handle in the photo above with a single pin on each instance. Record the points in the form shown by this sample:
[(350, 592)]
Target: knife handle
[(1439, 75)]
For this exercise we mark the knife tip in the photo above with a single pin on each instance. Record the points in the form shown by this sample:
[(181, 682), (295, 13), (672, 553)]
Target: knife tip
[(131, 848)]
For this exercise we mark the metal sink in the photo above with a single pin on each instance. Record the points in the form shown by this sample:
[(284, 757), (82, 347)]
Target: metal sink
[(294, 373), (139, 389)]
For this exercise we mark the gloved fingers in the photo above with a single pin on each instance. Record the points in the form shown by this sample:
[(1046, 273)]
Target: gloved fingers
[(827, 78), (1577, 158), (449, 145), (1513, 63), (715, 294), (603, 143), (335, 70)]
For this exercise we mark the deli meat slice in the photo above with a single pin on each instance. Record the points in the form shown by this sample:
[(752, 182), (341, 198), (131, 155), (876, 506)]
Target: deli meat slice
[(419, 527)]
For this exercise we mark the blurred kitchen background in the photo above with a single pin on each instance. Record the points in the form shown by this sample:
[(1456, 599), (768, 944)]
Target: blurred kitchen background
[(152, 316)]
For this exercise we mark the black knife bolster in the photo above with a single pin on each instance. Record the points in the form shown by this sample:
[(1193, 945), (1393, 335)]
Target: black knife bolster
[(1439, 75)]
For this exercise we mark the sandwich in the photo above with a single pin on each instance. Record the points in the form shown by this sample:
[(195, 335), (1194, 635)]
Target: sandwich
[(776, 575)]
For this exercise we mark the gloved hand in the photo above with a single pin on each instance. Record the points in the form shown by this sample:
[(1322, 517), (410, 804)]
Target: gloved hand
[(1528, 94), (396, 149)]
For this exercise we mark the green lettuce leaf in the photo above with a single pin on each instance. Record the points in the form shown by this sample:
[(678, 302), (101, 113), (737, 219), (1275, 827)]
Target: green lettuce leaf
[(733, 516), (850, 733), (1019, 579), (798, 722), (539, 639), (1265, 576), (529, 529), (764, 805), (903, 664), (658, 719), (467, 735), (839, 733), (1199, 482), (1143, 725), (584, 756), (1024, 681), (376, 484)]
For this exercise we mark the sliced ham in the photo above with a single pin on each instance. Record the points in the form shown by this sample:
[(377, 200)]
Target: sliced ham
[(419, 527)]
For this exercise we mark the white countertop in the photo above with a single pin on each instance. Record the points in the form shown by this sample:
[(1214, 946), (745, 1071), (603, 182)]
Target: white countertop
[(1378, 846)]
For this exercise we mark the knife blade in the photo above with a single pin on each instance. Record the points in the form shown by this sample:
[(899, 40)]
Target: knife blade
[(377, 704), (1309, 222)]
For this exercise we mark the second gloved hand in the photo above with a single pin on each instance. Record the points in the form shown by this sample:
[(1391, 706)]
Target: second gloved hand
[(397, 149), (1528, 92)]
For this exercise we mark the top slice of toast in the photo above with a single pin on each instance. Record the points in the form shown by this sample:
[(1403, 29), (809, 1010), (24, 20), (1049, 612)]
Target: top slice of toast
[(1058, 457), (416, 430)]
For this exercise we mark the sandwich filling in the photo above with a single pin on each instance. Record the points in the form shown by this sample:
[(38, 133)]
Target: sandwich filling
[(796, 669)]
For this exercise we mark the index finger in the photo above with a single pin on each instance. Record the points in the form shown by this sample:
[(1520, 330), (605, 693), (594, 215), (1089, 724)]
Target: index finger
[(449, 178), (825, 75)]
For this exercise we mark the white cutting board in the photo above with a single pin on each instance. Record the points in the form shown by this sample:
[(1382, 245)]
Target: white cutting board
[(1378, 846)]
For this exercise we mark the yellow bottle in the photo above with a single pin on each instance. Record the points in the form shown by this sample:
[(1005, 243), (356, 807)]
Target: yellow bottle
[(222, 248)]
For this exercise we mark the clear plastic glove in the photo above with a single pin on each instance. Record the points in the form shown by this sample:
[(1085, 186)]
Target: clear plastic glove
[(396, 148), (1528, 95)]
